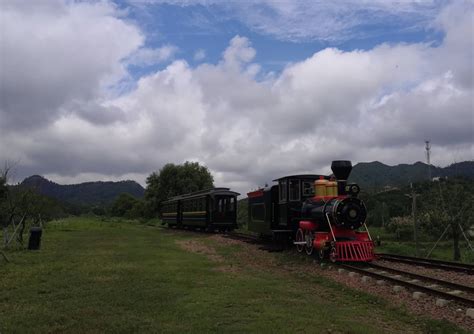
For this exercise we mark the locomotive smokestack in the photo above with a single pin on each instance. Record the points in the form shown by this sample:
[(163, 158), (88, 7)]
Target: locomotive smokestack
[(341, 170)]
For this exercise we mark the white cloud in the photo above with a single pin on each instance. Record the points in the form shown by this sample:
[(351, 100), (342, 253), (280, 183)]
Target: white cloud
[(147, 56), (380, 104), (51, 54)]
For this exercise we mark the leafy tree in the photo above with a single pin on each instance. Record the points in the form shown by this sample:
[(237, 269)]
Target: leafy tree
[(173, 180), (384, 205), (123, 204), (447, 207), (242, 212), (137, 211)]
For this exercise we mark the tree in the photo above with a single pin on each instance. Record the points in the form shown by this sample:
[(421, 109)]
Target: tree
[(123, 204), (173, 180), (21, 206), (447, 207)]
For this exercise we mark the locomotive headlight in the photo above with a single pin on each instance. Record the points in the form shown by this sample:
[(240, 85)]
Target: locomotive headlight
[(352, 189)]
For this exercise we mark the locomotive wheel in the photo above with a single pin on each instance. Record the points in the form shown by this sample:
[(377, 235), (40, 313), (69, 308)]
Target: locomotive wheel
[(321, 254), (299, 238), (309, 242), (333, 254)]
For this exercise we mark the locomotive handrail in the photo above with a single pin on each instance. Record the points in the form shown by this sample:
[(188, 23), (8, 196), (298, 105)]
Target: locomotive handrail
[(368, 233), (330, 227)]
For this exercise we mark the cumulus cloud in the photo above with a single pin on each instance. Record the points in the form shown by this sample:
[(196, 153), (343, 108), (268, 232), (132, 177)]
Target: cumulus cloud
[(379, 104), (53, 52)]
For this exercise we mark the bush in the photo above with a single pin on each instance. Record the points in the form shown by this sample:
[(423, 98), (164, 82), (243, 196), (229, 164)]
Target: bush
[(402, 227)]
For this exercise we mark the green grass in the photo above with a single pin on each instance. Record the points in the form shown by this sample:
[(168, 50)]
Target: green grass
[(93, 276)]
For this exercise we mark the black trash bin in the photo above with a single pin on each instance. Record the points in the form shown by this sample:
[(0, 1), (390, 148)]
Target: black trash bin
[(35, 238)]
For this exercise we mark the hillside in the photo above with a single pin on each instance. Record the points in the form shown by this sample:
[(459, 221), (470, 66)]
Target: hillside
[(377, 175), (89, 193)]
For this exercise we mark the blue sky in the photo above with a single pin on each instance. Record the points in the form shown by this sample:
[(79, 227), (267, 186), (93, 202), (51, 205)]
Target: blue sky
[(104, 90), (194, 26)]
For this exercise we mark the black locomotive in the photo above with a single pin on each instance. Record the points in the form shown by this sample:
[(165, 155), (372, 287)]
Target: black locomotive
[(319, 213)]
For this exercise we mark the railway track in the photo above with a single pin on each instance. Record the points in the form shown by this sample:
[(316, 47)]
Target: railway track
[(437, 288), (429, 263), (242, 236)]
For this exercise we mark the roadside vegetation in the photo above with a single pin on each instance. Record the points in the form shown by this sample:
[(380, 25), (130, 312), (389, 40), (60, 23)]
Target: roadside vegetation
[(443, 216)]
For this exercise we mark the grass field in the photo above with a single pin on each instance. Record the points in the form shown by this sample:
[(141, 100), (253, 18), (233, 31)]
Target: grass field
[(92, 277)]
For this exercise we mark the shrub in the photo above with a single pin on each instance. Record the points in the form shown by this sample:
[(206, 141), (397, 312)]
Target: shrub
[(401, 226)]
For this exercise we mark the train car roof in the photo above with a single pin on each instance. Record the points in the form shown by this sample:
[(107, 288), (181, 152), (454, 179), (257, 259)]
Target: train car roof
[(301, 176), (210, 191)]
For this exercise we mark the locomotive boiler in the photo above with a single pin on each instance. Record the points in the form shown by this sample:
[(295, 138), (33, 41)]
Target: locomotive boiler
[(320, 214)]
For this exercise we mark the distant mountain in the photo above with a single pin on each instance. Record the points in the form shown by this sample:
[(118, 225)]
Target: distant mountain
[(377, 175), (89, 193)]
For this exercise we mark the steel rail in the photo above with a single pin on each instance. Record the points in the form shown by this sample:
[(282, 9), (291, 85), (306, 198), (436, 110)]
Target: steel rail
[(462, 300), (444, 265), (459, 264), (465, 288)]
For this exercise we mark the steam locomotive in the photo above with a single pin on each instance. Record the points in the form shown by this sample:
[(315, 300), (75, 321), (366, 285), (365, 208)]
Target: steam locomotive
[(322, 215)]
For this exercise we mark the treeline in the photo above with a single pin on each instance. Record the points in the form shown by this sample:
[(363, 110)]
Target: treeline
[(169, 181)]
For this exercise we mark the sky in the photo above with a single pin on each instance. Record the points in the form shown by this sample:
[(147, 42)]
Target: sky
[(254, 90)]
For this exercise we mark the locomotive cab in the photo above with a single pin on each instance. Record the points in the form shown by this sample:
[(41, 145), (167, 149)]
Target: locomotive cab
[(293, 190)]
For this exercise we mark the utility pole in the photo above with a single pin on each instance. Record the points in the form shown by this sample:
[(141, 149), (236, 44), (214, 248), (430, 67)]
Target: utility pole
[(428, 153), (413, 196)]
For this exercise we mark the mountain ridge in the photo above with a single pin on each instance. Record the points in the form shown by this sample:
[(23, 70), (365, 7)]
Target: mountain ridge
[(87, 193), (376, 174)]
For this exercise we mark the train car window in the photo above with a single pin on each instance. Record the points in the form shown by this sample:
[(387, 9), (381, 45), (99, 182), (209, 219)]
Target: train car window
[(232, 204), (283, 191), (308, 189)]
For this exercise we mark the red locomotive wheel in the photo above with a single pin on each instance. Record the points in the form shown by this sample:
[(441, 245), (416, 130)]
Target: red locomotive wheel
[(299, 238)]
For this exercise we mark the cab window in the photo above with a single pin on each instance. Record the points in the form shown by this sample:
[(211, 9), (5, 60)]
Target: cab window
[(282, 191), (294, 190), (308, 189)]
